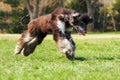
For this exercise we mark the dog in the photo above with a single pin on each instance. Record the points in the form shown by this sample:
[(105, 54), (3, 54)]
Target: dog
[(60, 22)]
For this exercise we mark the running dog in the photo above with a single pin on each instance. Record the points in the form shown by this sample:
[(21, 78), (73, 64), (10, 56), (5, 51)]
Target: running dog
[(60, 22)]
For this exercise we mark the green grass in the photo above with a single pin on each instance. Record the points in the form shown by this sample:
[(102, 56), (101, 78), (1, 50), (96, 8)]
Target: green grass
[(97, 58)]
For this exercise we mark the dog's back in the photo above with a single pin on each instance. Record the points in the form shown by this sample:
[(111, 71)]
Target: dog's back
[(40, 24)]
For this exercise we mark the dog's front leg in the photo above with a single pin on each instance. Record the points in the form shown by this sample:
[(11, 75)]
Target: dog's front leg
[(69, 37), (65, 45)]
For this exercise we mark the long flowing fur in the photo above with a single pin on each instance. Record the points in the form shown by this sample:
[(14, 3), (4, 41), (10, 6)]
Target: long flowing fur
[(58, 22)]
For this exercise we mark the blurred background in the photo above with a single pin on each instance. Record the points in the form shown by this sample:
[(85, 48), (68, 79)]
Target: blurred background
[(106, 13)]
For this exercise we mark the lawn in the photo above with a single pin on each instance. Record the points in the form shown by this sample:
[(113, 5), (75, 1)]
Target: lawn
[(97, 58)]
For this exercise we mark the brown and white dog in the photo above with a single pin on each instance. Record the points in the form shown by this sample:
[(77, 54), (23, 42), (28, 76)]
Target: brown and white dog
[(60, 22)]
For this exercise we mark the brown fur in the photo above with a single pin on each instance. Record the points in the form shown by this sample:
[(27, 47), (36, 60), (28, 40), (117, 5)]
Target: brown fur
[(38, 28)]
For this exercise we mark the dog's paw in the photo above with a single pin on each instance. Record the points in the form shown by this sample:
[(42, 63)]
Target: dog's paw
[(29, 49), (69, 55)]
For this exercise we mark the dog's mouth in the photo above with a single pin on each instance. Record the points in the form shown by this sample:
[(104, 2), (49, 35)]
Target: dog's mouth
[(80, 30)]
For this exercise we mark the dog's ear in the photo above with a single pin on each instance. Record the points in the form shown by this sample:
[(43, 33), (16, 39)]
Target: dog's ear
[(74, 17), (86, 18)]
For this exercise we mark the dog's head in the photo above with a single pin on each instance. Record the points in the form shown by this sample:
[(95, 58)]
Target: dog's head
[(72, 18), (80, 21), (77, 20)]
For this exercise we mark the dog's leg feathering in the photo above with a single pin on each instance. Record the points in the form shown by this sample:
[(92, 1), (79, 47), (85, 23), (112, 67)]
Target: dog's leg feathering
[(65, 45), (24, 38), (22, 42), (30, 46)]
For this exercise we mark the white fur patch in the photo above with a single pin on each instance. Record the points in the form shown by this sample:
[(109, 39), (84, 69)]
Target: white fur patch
[(27, 37), (17, 49), (75, 14), (61, 25), (32, 41), (64, 46)]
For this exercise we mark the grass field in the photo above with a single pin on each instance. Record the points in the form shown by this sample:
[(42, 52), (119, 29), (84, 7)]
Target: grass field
[(97, 58)]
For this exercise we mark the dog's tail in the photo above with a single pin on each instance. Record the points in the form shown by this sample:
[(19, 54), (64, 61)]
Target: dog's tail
[(25, 20)]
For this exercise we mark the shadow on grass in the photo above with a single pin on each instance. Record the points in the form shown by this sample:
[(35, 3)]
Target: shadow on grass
[(80, 58), (104, 58), (96, 58)]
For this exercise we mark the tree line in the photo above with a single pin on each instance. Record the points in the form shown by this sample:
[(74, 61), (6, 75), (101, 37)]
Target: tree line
[(106, 14)]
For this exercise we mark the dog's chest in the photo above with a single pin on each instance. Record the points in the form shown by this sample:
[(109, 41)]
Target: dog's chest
[(61, 25)]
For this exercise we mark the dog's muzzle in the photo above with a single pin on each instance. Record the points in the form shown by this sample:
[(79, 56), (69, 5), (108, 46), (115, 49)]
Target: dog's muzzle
[(79, 27), (80, 30)]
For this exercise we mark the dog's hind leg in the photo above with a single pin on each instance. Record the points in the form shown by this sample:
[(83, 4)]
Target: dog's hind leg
[(22, 41), (30, 46)]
